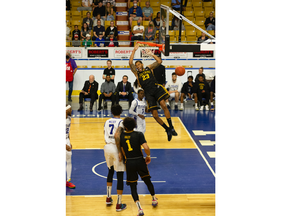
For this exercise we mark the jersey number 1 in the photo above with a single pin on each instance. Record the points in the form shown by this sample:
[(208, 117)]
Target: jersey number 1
[(129, 146)]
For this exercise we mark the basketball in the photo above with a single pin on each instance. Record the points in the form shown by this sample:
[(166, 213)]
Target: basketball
[(180, 71)]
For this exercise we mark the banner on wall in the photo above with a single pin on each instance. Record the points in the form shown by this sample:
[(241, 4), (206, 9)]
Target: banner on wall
[(178, 54), (203, 54), (97, 53), (156, 52), (122, 53), (77, 53)]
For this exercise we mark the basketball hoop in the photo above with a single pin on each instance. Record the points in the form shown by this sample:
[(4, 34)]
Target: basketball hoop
[(146, 56)]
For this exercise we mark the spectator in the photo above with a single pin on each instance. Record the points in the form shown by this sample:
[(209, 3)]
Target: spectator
[(136, 87), (68, 5), (135, 13), (112, 28), (138, 32), (95, 5), (124, 90), (110, 17), (157, 38), (84, 31), (212, 93), (87, 42), (111, 41), (147, 11), (177, 24), (187, 90), (210, 22), (89, 90), (162, 32), (201, 69), (68, 30), (98, 28), (150, 32), (174, 87), (202, 38), (75, 32), (107, 92), (76, 42), (157, 21), (100, 10), (98, 17), (86, 5), (203, 91), (109, 9), (160, 74), (88, 20), (71, 68), (176, 4), (100, 41), (112, 2), (109, 71)]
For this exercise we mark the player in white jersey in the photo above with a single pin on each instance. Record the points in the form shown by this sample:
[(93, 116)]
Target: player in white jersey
[(68, 148), (138, 109), (174, 87), (111, 154)]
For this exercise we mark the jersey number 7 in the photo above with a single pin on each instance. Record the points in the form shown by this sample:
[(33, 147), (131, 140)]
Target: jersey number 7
[(112, 127)]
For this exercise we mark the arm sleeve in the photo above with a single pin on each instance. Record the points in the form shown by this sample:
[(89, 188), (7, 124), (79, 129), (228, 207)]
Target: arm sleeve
[(131, 110)]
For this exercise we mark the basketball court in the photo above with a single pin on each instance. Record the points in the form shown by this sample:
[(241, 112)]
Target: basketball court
[(182, 170)]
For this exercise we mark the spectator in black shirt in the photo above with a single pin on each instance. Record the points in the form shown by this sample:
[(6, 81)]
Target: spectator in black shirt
[(109, 71), (203, 91), (76, 31), (68, 5), (112, 28), (98, 29), (89, 90), (100, 10), (124, 90), (210, 22), (88, 20), (202, 38), (160, 75), (187, 90), (201, 69)]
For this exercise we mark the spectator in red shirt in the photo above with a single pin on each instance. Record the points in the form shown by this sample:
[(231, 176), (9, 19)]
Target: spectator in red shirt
[(111, 41), (71, 68)]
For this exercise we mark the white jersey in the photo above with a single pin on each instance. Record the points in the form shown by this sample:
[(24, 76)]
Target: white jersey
[(68, 124), (110, 128), (138, 107), (174, 86)]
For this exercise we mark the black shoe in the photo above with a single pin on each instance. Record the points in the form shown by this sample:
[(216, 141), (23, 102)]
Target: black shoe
[(176, 107), (100, 108), (169, 134), (173, 132), (81, 107), (70, 100), (91, 108), (105, 105), (168, 106)]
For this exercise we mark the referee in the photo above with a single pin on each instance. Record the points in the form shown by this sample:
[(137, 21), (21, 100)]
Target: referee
[(130, 144)]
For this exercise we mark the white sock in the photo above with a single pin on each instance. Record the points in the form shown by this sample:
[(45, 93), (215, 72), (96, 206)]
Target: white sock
[(211, 103), (138, 205), (109, 189), (154, 197), (68, 166), (119, 198), (181, 104)]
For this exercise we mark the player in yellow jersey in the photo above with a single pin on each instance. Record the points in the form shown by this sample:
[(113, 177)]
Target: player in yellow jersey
[(153, 91)]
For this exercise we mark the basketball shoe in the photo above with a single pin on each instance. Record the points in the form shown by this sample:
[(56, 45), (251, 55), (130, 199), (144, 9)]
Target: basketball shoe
[(154, 202), (70, 185), (140, 212), (120, 207), (109, 200)]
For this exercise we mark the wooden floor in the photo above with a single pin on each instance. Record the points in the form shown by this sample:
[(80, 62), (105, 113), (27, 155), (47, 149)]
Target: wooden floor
[(169, 205), (89, 133)]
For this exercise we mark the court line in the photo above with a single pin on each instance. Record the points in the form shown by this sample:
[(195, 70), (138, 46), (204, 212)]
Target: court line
[(141, 194), (198, 148), (93, 170)]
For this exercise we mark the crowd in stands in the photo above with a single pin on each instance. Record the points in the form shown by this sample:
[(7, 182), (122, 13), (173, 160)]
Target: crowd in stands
[(104, 10)]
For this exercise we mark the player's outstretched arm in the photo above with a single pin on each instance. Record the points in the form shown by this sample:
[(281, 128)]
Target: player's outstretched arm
[(158, 60), (132, 66)]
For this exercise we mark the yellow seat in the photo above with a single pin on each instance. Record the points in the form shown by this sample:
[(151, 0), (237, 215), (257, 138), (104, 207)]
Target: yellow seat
[(200, 19), (197, 5), (211, 32), (187, 66), (183, 35), (188, 14), (68, 44), (145, 23), (155, 4), (200, 23), (198, 33), (76, 15), (191, 35), (199, 14), (208, 4), (107, 24), (81, 66), (97, 66), (189, 27), (76, 22)]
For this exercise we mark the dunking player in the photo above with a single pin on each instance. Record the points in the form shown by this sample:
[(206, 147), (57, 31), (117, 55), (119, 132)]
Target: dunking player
[(130, 143), (68, 148), (153, 91), (138, 109), (111, 156)]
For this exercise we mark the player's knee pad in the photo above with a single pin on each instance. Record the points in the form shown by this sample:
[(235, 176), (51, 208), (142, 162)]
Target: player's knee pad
[(120, 184), (110, 174)]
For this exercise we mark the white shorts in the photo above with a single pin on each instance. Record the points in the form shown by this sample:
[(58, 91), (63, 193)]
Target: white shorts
[(141, 126), (172, 95), (68, 153), (112, 158)]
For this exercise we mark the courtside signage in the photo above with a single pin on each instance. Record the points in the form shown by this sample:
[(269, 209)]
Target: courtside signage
[(96, 53)]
